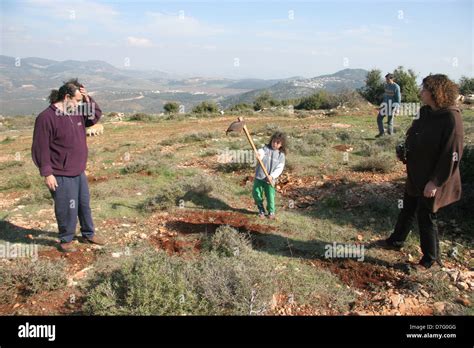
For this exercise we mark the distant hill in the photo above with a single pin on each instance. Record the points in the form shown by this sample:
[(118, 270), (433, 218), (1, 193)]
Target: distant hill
[(24, 88), (347, 79)]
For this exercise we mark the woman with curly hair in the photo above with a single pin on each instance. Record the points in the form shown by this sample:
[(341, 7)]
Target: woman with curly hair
[(434, 145)]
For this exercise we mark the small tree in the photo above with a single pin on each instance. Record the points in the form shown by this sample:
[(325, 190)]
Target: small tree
[(264, 100), (171, 107), (373, 89), (408, 86), (318, 100), (241, 107), (206, 107), (466, 85)]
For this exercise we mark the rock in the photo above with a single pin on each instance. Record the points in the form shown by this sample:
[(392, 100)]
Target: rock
[(116, 254), (462, 286), (439, 307), (464, 301), (424, 293), (143, 236), (465, 276), (82, 273), (16, 305), (396, 299), (453, 275), (71, 282)]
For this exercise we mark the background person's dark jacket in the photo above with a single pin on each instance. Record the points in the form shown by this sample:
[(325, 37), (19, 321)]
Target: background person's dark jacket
[(431, 141), (59, 142)]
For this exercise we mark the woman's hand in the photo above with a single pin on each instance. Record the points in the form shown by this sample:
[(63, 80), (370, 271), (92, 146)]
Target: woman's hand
[(51, 182), (430, 190)]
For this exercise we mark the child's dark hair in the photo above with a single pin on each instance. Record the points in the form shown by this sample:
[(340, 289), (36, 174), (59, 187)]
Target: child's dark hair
[(68, 88), (281, 137)]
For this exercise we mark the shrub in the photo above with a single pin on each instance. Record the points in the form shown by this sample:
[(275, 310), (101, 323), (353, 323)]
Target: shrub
[(28, 277), (232, 167), (19, 182), (466, 166), (171, 108), (7, 140), (408, 86), (234, 285), (374, 88), (140, 116), (466, 85), (206, 107), (381, 163), (193, 188), (200, 136), (241, 107), (227, 241), (318, 100), (143, 165), (264, 100), (152, 284), (10, 164)]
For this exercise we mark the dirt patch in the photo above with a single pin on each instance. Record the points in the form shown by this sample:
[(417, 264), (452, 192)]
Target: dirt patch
[(96, 179), (66, 301), (361, 275), (76, 261), (307, 191), (181, 233)]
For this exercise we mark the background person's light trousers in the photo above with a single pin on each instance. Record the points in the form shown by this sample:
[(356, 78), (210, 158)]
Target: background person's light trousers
[(389, 123)]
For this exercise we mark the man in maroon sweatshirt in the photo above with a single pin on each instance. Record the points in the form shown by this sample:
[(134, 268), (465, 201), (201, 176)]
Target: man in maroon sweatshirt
[(60, 151)]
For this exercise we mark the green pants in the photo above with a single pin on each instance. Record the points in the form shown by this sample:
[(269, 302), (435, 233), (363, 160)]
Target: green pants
[(259, 188)]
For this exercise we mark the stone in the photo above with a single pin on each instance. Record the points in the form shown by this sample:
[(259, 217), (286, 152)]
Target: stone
[(439, 307), (424, 293), (462, 286), (396, 299)]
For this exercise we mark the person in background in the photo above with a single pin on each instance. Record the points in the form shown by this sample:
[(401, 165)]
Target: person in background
[(390, 105)]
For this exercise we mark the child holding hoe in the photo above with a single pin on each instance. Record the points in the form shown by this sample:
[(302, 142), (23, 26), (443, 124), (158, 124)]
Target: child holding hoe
[(273, 158)]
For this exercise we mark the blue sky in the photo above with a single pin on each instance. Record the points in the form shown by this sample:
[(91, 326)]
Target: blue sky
[(238, 39)]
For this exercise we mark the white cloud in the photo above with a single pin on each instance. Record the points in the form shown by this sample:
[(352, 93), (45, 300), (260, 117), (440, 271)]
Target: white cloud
[(139, 42), (176, 26)]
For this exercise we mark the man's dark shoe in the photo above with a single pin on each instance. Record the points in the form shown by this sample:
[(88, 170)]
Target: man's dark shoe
[(380, 135), (93, 240), (67, 247), (385, 244)]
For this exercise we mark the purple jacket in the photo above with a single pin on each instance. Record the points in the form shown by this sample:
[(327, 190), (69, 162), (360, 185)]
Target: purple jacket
[(59, 142)]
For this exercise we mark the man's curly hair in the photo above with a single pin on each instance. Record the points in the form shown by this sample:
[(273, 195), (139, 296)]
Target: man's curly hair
[(442, 89)]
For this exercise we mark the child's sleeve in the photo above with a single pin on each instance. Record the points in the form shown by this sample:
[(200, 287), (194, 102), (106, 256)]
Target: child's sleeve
[(278, 169), (261, 153)]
